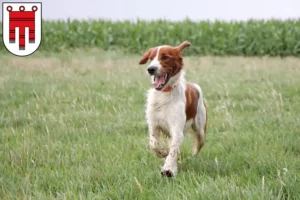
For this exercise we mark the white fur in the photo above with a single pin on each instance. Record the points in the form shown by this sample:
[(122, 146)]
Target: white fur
[(166, 112), (155, 62)]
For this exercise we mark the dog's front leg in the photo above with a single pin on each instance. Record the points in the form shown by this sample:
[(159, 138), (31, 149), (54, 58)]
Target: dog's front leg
[(170, 166), (154, 144)]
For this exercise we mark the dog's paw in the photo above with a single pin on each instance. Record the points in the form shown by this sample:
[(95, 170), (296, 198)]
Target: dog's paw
[(168, 171)]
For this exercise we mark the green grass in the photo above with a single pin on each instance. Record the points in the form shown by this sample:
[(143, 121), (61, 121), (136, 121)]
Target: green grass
[(249, 38), (72, 126)]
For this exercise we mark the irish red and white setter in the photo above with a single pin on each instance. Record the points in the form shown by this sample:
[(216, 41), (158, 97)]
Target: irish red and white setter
[(173, 105)]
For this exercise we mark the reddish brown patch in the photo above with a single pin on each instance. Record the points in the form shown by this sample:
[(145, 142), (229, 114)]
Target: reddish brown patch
[(170, 59), (150, 54), (184, 45), (192, 96)]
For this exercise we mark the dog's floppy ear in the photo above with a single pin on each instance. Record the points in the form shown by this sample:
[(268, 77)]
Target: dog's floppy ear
[(146, 56), (184, 45)]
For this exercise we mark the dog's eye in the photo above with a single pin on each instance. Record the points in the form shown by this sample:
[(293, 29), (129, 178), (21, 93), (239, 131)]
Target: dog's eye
[(164, 57)]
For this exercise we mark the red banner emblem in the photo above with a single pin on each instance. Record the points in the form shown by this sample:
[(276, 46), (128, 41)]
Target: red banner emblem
[(22, 23)]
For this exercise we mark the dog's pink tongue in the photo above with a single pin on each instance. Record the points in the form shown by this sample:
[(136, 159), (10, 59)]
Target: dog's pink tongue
[(159, 80)]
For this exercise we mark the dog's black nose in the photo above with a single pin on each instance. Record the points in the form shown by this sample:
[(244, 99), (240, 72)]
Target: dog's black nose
[(152, 70)]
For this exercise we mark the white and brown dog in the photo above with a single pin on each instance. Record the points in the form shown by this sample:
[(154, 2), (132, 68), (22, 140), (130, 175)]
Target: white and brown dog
[(173, 105)]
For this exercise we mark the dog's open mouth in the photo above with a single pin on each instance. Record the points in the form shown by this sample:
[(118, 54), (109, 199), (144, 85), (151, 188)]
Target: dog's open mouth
[(160, 81)]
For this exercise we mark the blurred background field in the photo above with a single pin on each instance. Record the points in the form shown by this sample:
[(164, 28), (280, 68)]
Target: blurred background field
[(245, 38)]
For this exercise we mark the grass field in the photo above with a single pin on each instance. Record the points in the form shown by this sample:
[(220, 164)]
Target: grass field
[(72, 127)]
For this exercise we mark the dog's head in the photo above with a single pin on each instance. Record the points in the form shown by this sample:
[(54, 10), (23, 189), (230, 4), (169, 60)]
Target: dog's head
[(166, 62)]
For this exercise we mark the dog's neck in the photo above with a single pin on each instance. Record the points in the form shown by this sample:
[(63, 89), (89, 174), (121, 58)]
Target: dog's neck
[(169, 88), (174, 82)]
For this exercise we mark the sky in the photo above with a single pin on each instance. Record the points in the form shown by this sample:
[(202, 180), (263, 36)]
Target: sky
[(169, 9)]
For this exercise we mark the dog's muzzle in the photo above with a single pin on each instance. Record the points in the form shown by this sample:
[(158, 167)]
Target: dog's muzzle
[(152, 70)]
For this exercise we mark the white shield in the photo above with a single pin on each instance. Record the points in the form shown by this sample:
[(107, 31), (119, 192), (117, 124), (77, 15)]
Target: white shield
[(22, 27)]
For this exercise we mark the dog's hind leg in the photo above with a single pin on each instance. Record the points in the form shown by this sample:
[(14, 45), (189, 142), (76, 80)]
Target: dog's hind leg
[(199, 125), (199, 128)]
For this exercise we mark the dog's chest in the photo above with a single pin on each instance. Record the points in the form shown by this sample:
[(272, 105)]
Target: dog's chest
[(164, 110), (159, 111)]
